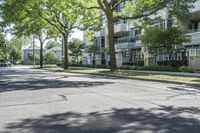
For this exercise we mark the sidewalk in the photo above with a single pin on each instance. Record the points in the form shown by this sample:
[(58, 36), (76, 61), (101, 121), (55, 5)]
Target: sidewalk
[(157, 76), (143, 71), (161, 72)]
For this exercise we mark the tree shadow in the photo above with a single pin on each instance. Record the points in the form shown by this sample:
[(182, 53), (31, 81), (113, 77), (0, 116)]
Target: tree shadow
[(183, 90), (165, 119), (12, 80), (39, 84)]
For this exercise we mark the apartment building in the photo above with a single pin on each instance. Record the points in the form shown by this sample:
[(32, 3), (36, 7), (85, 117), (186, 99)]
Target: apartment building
[(129, 49)]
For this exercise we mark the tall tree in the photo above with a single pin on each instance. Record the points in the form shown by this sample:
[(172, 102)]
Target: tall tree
[(2, 40), (76, 46), (25, 22), (135, 9), (167, 41), (66, 16), (93, 49), (52, 44)]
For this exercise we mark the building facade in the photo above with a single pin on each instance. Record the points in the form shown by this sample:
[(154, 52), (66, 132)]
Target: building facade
[(129, 49)]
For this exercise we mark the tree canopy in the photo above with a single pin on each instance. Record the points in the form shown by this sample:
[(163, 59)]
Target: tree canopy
[(166, 41), (134, 10), (76, 47)]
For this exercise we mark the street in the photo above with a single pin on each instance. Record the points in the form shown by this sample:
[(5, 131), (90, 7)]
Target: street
[(37, 101)]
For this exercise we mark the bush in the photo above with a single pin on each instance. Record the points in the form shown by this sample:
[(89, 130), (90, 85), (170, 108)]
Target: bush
[(127, 67), (103, 62), (90, 66), (136, 63), (51, 56), (183, 69), (101, 66), (59, 64), (150, 68), (160, 68), (174, 63)]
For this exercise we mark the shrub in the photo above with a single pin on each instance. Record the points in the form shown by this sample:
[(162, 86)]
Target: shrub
[(59, 64), (150, 68), (101, 66), (127, 67), (174, 63), (90, 66), (183, 69), (136, 63), (51, 56)]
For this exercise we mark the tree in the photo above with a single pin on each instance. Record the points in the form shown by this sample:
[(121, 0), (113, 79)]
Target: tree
[(12, 49), (93, 49), (52, 44), (167, 41), (25, 22), (51, 56), (65, 16), (31, 58), (62, 15), (2, 40), (76, 46), (136, 9)]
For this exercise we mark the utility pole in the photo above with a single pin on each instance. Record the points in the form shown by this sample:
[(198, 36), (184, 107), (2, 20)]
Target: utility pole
[(33, 51)]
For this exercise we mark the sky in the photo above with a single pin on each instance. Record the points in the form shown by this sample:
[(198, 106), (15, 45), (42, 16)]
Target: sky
[(77, 34)]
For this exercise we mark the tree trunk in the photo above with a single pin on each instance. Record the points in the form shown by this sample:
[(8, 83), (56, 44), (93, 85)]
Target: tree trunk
[(93, 60), (155, 58), (33, 51), (184, 57), (170, 59), (110, 25), (65, 37), (41, 53)]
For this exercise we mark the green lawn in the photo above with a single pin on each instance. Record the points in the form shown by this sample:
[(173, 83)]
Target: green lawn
[(183, 79)]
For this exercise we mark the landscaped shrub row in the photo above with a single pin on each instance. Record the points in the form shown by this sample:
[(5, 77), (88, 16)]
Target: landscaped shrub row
[(136, 63), (90, 66), (174, 63), (154, 68), (147, 68)]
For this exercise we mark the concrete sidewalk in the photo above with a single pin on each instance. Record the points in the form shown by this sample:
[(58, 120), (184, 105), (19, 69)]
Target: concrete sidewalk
[(152, 72), (163, 72)]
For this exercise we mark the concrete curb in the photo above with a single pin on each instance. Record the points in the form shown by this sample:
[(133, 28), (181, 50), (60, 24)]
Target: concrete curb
[(133, 78)]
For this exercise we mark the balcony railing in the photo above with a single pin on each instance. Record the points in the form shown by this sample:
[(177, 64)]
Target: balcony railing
[(193, 30), (121, 27), (125, 39), (100, 33), (125, 43)]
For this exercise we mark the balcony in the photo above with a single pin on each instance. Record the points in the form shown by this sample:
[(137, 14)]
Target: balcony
[(197, 7), (195, 37), (125, 43), (121, 29), (99, 33)]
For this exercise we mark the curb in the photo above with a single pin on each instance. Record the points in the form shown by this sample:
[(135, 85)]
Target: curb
[(133, 78)]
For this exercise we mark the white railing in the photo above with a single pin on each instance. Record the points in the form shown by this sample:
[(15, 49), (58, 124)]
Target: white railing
[(125, 45), (195, 37), (99, 33), (120, 27)]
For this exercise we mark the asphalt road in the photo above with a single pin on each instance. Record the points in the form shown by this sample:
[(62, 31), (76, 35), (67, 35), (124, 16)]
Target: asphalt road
[(35, 101)]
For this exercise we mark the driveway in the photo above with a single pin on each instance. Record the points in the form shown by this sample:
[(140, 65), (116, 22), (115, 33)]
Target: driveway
[(36, 101)]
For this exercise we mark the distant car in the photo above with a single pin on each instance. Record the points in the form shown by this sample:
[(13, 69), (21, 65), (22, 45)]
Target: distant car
[(5, 64)]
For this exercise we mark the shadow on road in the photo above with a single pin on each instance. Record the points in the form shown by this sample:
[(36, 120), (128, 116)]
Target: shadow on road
[(38, 84), (11, 80), (165, 119)]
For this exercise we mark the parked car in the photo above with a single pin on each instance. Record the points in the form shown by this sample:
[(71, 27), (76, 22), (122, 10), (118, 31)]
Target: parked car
[(5, 64)]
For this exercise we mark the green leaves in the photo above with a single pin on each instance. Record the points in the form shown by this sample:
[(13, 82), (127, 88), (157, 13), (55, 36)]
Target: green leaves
[(2, 40), (155, 38), (76, 46), (51, 56)]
